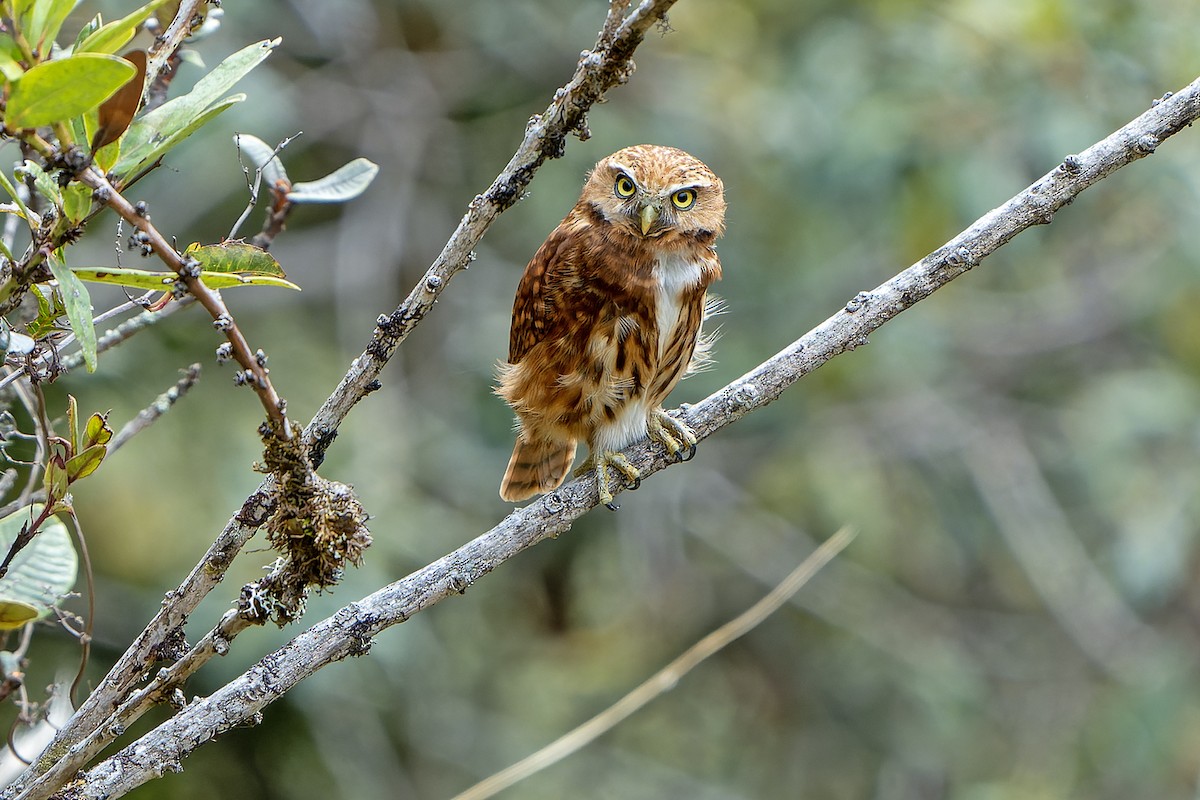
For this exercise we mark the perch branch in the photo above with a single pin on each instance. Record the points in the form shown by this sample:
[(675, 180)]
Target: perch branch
[(350, 630)]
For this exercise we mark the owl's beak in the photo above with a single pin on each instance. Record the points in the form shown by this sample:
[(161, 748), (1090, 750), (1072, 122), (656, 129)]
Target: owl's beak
[(649, 217)]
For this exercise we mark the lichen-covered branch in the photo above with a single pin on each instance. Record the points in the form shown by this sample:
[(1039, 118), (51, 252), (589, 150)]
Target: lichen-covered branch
[(349, 631)]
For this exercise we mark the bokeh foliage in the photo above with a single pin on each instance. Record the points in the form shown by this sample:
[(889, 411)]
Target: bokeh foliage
[(1020, 452)]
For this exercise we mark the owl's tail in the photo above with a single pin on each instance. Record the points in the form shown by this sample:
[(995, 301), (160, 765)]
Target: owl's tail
[(536, 467)]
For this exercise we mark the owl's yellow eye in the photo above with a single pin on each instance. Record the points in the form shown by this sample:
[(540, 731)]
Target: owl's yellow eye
[(624, 187), (684, 199)]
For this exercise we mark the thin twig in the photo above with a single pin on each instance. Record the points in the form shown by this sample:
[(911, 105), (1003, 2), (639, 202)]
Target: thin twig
[(168, 43), (125, 331), (85, 636), (255, 373), (254, 184), (349, 631), (110, 339), (666, 678)]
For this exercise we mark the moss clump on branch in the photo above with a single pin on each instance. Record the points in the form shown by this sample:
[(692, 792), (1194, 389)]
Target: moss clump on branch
[(318, 527)]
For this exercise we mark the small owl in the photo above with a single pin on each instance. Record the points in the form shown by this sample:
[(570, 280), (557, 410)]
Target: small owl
[(607, 320)]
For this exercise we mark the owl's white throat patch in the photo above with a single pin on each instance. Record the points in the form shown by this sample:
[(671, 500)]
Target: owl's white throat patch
[(676, 275)]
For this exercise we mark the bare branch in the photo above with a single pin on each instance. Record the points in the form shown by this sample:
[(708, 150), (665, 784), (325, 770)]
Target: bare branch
[(349, 631), (165, 46)]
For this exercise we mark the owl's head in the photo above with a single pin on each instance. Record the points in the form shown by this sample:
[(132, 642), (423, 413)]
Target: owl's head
[(657, 192)]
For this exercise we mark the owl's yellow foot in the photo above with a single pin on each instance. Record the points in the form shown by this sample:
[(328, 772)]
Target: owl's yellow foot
[(602, 461), (672, 434)]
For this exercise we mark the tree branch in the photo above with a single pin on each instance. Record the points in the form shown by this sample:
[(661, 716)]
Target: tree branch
[(167, 44), (349, 631)]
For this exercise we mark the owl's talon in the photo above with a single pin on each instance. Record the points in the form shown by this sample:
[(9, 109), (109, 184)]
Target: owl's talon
[(602, 461), (672, 434), (635, 485)]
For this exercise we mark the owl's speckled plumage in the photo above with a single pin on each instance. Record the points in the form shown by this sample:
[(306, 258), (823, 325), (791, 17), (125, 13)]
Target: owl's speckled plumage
[(607, 318)]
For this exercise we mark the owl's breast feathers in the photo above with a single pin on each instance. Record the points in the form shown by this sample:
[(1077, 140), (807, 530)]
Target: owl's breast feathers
[(604, 325)]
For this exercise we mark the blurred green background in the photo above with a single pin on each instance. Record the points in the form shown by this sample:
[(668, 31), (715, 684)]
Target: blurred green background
[(1017, 619)]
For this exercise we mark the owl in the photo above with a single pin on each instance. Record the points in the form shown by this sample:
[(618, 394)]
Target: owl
[(607, 320)]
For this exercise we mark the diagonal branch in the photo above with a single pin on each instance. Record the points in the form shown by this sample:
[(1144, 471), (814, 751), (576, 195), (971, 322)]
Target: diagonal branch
[(349, 631)]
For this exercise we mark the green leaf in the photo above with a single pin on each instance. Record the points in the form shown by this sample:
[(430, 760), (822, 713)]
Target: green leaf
[(146, 151), (41, 574), (219, 280), (263, 157), (90, 27), (76, 202), (112, 37), (345, 183), (122, 276), (21, 8), (164, 127), (43, 183), (79, 309), (14, 614), (73, 423), (49, 310), (162, 281), (10, 55), (54, 479), (65, 88), (97, 431), (47, 17), (85, 463), (235, 256)]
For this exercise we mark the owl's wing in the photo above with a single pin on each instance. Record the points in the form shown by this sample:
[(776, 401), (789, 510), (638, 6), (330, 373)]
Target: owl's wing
[(540, 295)]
